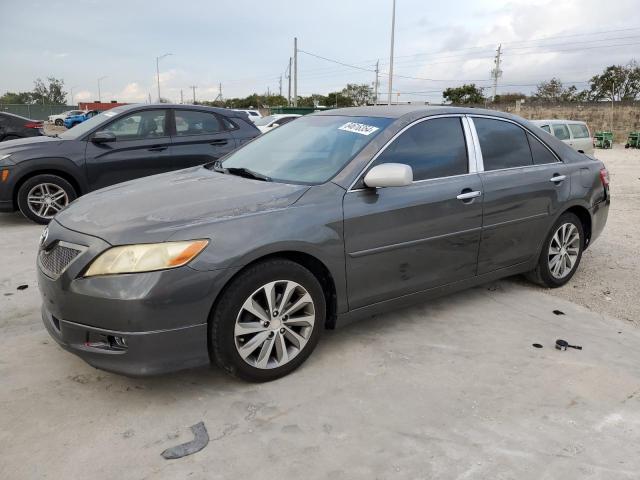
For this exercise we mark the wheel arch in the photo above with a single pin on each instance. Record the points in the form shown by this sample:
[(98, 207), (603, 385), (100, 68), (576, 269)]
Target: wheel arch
[(49, 170), (585, 218)]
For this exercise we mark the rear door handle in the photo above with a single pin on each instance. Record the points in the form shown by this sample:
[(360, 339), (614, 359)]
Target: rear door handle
[(219, 142), (157, 149), (557, 178), (469, 195)]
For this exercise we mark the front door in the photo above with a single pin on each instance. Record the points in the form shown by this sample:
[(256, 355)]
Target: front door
[(200, 137), (401, 240), (142, 148)]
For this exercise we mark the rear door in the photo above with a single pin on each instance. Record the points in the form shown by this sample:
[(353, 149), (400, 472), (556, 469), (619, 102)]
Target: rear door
[(524, 185), (142, 148), (199, 137), (401, 240)]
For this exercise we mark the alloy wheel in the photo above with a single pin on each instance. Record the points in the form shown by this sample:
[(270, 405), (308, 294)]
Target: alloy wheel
[(274, 324), (47, 199), (564, 249)]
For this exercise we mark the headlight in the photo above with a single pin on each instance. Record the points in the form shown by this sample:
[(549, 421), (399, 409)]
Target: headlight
[(146, 257), (4, 160)]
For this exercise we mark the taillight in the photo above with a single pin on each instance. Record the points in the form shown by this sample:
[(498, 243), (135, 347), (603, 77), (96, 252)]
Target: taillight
[(604, 177), (33, 125)]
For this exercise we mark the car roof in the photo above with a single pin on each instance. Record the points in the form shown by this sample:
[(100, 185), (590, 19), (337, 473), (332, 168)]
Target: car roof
[(556, 120), (221, 111), (398, 111)]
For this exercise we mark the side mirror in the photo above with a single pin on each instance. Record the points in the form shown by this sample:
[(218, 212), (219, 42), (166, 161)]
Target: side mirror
[(389, 175), (103, 137)]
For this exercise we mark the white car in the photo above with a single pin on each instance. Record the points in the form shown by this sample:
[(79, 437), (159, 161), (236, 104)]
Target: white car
[(265, 124), (59, 118), (572, 132), (253, 114)]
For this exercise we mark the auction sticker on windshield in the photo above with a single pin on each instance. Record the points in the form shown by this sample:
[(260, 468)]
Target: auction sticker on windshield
[(360, 128)]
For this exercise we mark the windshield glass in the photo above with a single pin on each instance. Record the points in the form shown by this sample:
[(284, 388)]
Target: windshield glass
[(84, 127), (261, 122), (310, 150)]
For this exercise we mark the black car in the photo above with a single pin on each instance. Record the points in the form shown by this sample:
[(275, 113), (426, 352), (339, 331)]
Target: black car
[(40, 176), (13, 127)]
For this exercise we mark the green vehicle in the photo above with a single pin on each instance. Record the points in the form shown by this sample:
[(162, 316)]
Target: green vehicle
[(633, 141), (603, 139)]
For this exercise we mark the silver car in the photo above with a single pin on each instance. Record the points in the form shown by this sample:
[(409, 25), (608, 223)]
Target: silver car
[(572, 132)]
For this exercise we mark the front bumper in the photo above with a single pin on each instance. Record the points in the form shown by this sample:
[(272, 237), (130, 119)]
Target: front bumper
[(159, 319)]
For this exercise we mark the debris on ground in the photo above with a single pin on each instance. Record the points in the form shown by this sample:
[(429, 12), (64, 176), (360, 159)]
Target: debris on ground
[(23, 287), (563, 345), (201, 440), (558, 312), (536, 345)]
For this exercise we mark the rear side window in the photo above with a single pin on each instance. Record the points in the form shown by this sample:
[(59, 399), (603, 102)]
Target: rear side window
[(541, 154), (578, 130), (561, 132), (503, 144), (433, 149), (196, 123)]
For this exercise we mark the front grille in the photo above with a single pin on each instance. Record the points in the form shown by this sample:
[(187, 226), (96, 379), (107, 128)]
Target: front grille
[(57, 259)]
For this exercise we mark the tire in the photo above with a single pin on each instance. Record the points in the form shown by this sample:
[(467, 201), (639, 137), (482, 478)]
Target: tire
[(273, 334), (42, 196), (58, 122), (552, 277)]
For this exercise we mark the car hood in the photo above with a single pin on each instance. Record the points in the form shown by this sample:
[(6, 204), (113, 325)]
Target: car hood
[(28, 146), (153, 209)]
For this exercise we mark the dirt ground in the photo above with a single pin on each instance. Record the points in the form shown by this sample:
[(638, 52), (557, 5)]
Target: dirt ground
[(608, 280)]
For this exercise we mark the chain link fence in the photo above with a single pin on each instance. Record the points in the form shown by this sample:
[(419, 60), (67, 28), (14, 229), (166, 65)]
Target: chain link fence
[(35, 112)]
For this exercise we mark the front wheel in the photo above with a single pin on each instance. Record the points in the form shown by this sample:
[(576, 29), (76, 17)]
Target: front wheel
[(561, 253), (42, 196), (58, 122), (268, 321)]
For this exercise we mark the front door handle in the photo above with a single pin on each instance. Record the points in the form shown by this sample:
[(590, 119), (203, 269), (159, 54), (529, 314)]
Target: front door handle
[(219, 142), (157, 149), (557, 178), (468, 196)]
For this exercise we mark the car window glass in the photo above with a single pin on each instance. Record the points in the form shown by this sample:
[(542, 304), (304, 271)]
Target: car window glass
[(196, 123), (561, 132), (578, 130), (228, 124), (282, 121), (138, 125), (541, 154), (503, 144), (433, 149), (546, 128)]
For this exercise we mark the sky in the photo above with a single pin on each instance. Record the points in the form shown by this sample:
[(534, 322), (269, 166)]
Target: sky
[(245, 45)]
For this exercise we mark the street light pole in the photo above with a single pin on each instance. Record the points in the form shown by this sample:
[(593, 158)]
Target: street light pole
[(75, 86), (158, 72), (393, 30), (99, 94)]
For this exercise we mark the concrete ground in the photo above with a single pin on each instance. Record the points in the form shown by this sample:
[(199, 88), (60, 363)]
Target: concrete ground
[(450, 389)]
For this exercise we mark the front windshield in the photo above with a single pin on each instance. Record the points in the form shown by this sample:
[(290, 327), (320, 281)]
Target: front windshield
[(261, 122), (310, 150), (88, 125)]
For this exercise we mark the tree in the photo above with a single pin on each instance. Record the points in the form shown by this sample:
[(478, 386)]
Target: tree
[(554, 91), (361, 94), (21, 98), (466, 94), (617, 82), (509, 97), (51, 94)]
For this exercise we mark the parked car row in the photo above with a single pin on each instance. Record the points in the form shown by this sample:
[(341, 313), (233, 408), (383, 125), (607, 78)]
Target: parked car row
[(331, 217), (58, 120)]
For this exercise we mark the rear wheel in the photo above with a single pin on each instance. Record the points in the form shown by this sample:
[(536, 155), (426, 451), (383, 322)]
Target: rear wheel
[(58, 122), (268, 321), (42, 196), (561, 253)]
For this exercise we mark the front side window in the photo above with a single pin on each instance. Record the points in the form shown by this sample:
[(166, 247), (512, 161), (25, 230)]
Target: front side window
[(310, 150), (139, 125), (196, 123), (503, 144), (578, 130), (561, 132), (433, 148)]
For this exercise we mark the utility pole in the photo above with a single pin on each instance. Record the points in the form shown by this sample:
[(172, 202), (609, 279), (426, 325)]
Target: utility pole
[(219, 97), (289, 78), (75, 86), (158, 72), (280, 85), (181, 97), (393, 31), (295, 71), (496, 72), (193, 87), (99, 94), (613, 92), (375, 88)]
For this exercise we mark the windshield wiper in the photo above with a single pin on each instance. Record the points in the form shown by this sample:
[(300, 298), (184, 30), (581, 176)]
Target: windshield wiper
[(239, 171)]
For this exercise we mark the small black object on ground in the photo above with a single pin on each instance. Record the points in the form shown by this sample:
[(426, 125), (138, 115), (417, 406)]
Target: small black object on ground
[(563, 345), (558, 312), (201, 440), (536, 345), (23, 287)]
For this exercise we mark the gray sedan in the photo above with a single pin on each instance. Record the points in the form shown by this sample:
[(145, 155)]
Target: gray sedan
[(336, 216)]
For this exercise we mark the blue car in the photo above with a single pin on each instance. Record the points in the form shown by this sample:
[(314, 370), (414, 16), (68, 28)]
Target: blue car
[(74, 120)]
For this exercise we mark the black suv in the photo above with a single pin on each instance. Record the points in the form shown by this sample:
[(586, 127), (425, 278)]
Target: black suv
[(42, 175)]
